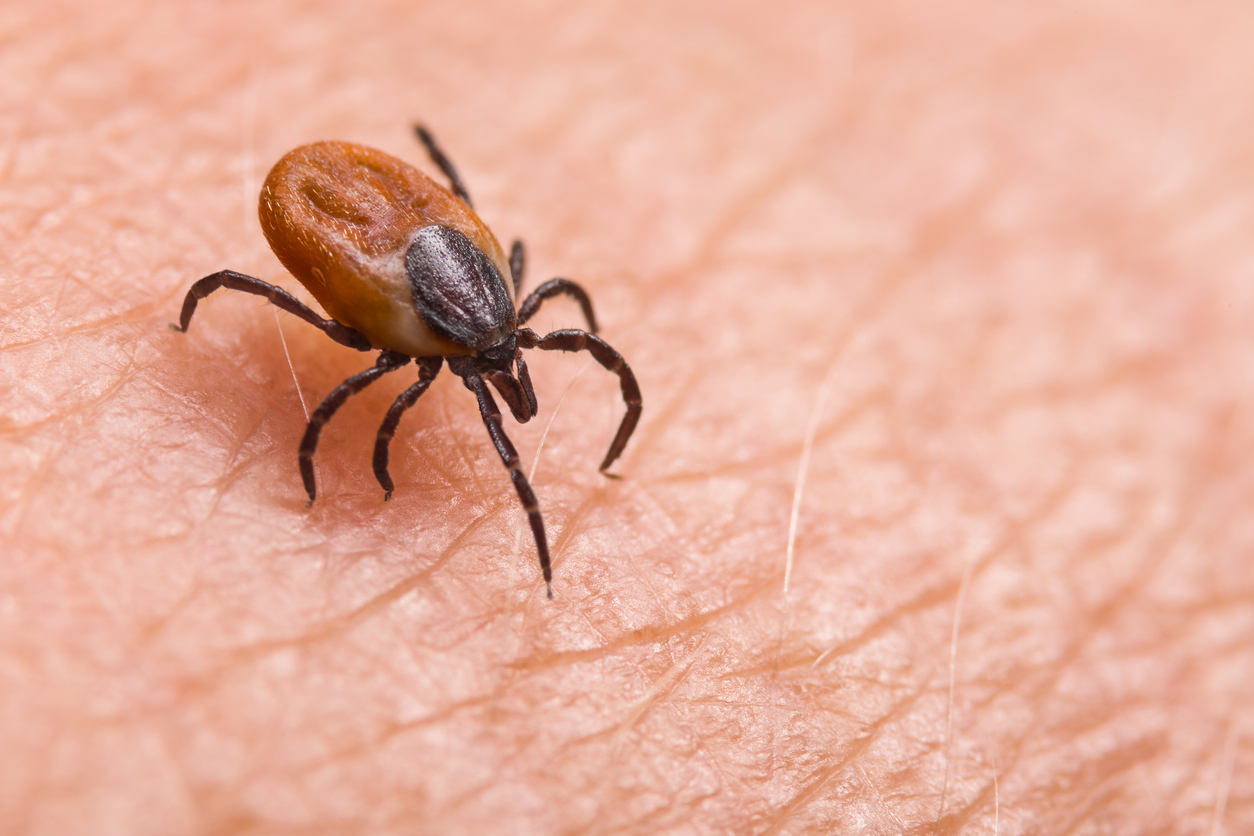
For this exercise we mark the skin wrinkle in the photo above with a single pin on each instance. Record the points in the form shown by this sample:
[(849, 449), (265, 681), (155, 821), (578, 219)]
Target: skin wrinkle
[(1013, 538), (1127, 595), (662, 689), (655, 633), (1065, 662), (956, 819), (418, 441), (717, 234), (812, 145), (463, 445), (1201, 760), (1088, 808), (900, 825), (330, 629), (855, 748), (571, 527), (1025, 752), (1225, 779)]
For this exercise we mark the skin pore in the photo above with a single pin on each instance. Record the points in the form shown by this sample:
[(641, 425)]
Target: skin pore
[(937, 520)]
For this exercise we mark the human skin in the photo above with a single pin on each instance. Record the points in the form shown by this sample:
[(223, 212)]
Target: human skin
[(937, 520)]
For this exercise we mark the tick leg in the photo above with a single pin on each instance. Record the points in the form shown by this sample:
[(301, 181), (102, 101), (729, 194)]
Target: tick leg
[(515, 397), (389, 361), (279, 297), (446, 165), (492, 420), (517, 260), (524, 380), (428, 368), (572, 339), (557, 287)]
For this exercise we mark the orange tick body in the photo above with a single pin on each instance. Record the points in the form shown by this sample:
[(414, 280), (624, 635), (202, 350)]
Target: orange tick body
[(341, 217), (404, 266)]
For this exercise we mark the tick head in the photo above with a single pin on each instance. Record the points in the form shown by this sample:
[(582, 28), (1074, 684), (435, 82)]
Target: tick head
[(500, 357)]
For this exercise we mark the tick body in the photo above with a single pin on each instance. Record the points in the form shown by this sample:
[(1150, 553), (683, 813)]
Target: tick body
[(404, 266)]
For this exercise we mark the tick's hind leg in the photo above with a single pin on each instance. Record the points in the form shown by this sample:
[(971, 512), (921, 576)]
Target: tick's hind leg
[(389, 361), (557, 287), (446, 165), (428, 368), (464, 368), (572, 339), (278, 297)]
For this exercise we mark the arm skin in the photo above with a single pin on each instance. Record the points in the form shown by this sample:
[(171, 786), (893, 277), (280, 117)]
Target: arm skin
[(968, 289)]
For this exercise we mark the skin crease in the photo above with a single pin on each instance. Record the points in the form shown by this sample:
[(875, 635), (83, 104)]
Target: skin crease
[(970, 289)]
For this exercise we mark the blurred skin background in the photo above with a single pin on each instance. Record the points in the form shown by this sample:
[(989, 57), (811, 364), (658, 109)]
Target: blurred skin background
[(937, 519)]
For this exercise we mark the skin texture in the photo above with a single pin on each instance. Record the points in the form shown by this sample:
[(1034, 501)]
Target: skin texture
[(938, 519)]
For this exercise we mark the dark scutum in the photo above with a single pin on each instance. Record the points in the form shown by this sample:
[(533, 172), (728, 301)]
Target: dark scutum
[(457, 289)]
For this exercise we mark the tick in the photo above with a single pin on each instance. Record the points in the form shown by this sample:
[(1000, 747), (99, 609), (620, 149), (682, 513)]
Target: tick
[(405, 267)]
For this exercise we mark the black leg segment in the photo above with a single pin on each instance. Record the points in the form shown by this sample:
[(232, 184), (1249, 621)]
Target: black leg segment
[(524, 380), (389, 361), (446, 165), (517, 261), (278, 297), (572, 339), (464, 368), (515, 397), (557, 287), (428, 368)]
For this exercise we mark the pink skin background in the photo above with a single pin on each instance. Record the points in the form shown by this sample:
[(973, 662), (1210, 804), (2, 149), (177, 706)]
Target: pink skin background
[(938, 519)]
